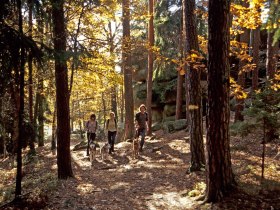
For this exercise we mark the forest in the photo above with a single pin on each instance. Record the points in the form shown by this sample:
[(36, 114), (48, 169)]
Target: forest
[(140, 104)]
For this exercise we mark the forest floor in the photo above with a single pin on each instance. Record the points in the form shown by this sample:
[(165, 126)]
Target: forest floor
[(156, 180)]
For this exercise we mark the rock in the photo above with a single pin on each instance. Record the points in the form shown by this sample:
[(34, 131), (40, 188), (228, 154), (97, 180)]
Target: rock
[(171, 118), (156, 126), (169, 110), (180, 124), (168, 127)]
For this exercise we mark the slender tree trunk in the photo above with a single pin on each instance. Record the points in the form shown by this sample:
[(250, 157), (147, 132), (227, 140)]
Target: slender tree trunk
[(114, 87), (256, 51), (270, 56), (30, 77), (195, 103), (179, 96), (41, 101), (184, 39), (53, 146), (122, 105), (62, 93), (21, 107), (114, 101), (180, 81), (104, 108), (244, 38), (219, 175), (126, 58), (150, 66)]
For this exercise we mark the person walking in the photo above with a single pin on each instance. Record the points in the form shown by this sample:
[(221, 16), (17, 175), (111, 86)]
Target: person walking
[(91, 128), (111, 127), (141, 124)]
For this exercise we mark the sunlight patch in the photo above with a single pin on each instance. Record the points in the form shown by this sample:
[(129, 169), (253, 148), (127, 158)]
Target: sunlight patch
[(169, 200)]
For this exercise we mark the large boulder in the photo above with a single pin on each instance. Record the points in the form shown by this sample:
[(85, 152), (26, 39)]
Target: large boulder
[(156, 114), (180, 124), (166, 119), (169, 110), (168, 127), (156, 126)]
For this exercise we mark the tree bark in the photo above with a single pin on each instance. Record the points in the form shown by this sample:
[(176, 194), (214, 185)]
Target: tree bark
[(150, 66), (244, 38), (114, 87), (30, 76), (270, 56), (195, 102), (54, 134), (219, 175), (41, 101), (21, 107), (256, 51), (179, 96), (62, 93), (127, 69)]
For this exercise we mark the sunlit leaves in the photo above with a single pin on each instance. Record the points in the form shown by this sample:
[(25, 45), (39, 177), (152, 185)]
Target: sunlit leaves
[(236, 90)]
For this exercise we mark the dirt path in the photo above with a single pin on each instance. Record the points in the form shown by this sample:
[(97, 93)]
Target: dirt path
[(156, 180)]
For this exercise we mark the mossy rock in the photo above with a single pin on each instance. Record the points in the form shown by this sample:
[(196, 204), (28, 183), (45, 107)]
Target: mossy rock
[(171, 118), (156, 126), (169, 110), (168, 127), (180, 124)]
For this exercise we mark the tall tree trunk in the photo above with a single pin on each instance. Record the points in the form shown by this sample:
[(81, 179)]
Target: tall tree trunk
[(21, 107), (122, 105), (114, 100), (180, 81), (244, 38), (62, 93), (41, 101), (219, 176), (195, 103), (184, 39), (270, 56), (30, 76), (126, 58), (256, 51), (150, 66), (179, 96), (53, 145), (104, 108), (114, 87)]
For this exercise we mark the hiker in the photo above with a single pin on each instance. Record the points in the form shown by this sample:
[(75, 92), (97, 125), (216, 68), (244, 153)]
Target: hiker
[(91, 128), (141, 124), (111, 127)]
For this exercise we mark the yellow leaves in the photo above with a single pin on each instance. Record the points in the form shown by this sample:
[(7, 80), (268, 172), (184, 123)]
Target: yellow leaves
[(236, 90), (246, 17), (193, 107)]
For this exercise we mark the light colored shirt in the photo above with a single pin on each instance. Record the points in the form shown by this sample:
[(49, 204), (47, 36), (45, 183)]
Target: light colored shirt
[(91, 126), (111, 125)]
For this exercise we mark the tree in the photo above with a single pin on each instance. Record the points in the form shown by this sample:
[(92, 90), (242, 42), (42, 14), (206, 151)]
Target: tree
[(256, 50), (219, 176), (127, 70), (21, 106), (150, 65), (62, 93), (244, 39), (195, 103)]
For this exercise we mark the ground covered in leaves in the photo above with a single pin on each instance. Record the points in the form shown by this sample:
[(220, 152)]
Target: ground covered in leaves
[(156, 180)]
